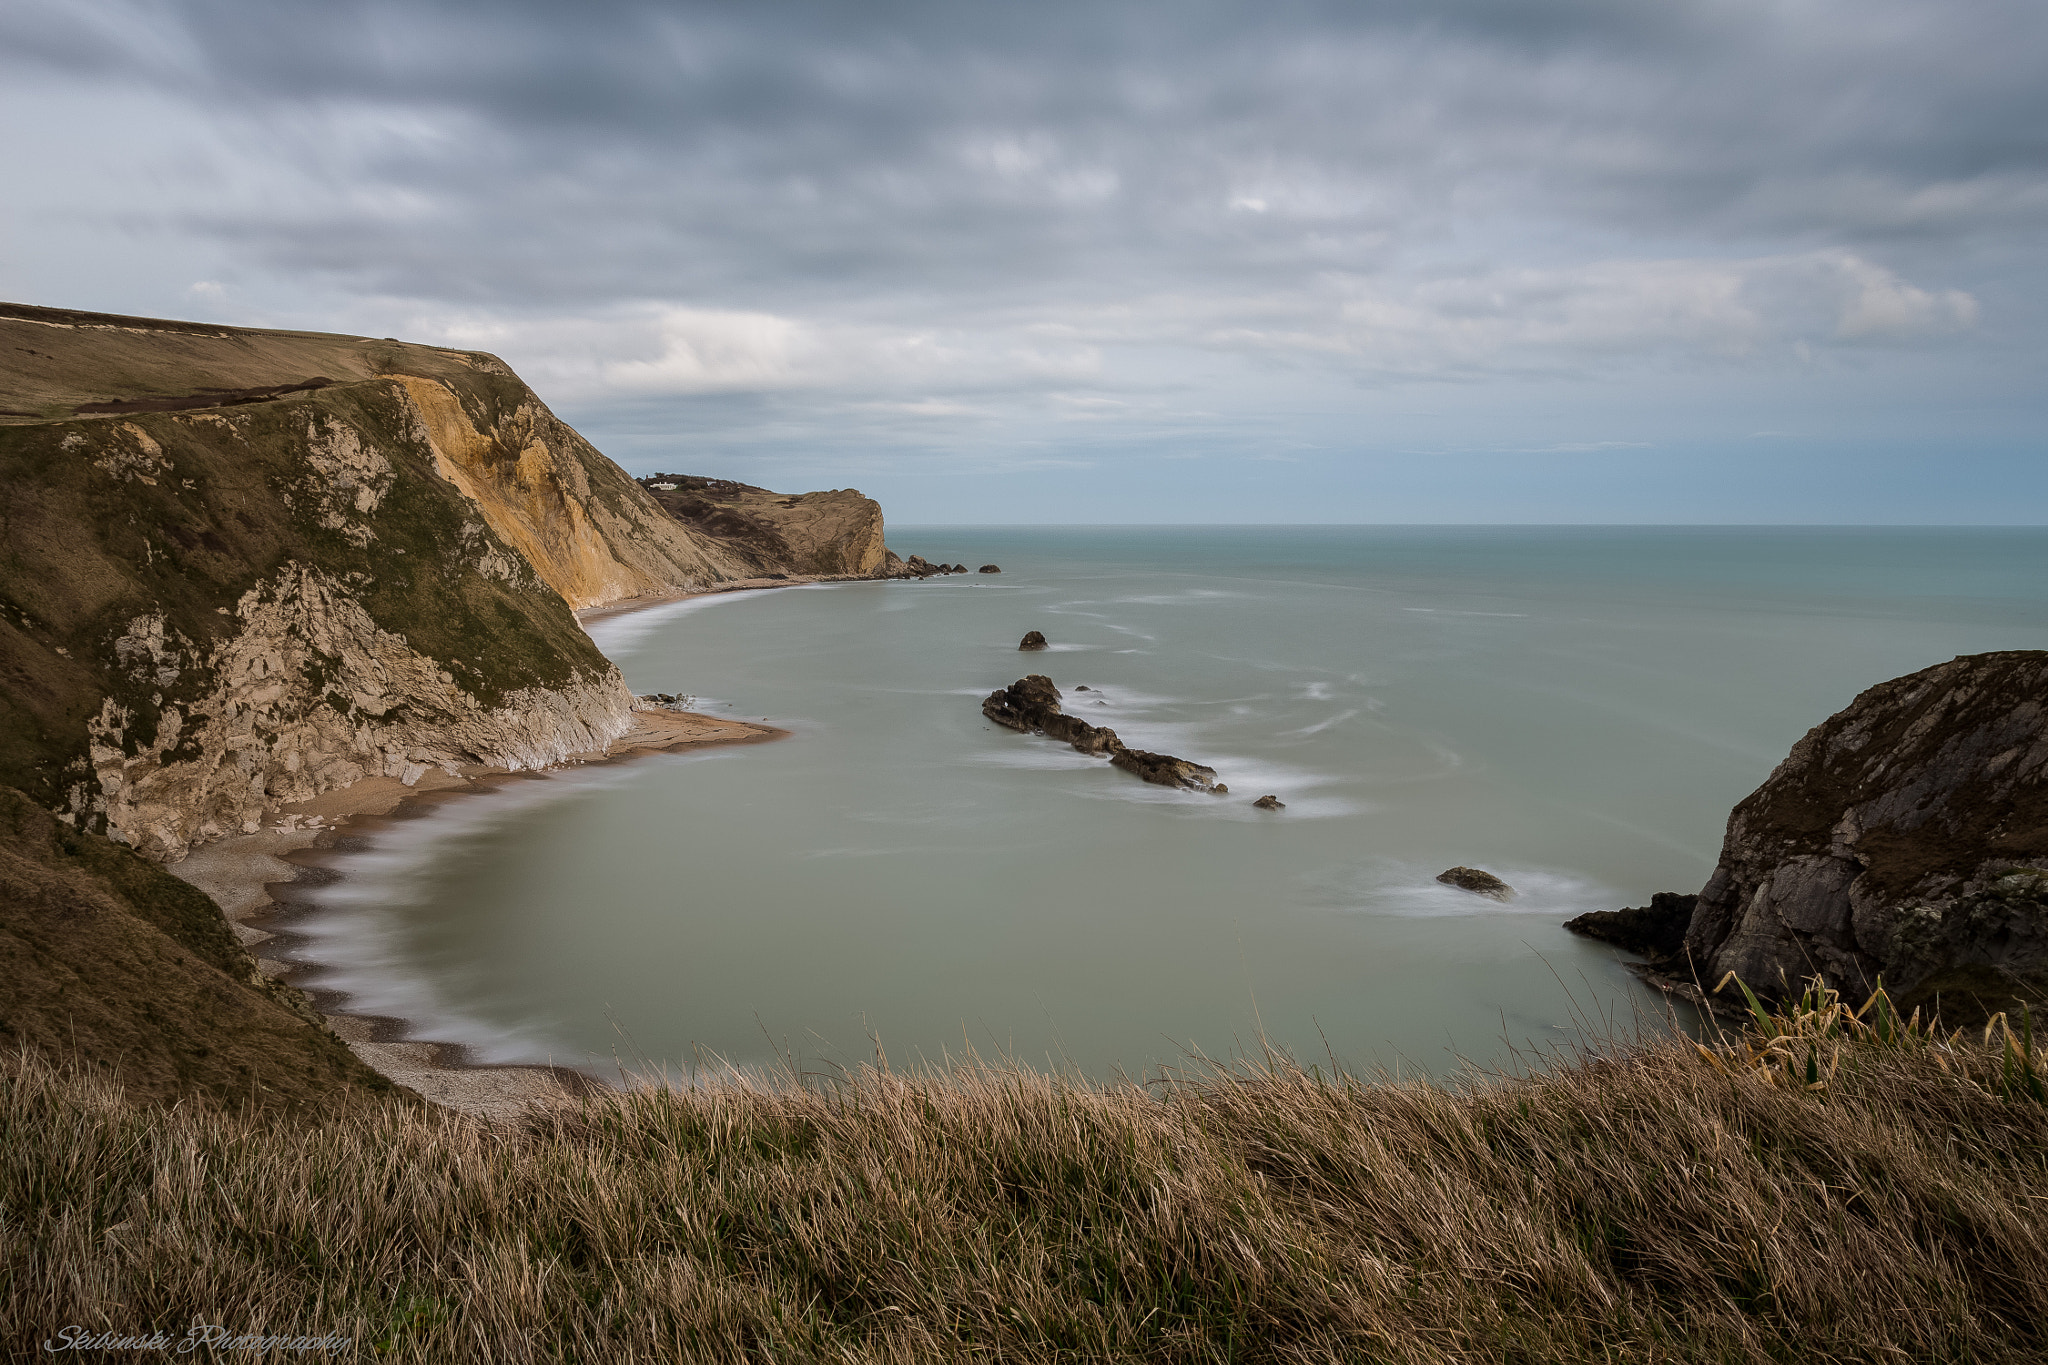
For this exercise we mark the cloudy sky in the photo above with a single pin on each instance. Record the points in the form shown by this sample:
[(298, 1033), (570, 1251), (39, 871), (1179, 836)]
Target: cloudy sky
[(1377, 261)]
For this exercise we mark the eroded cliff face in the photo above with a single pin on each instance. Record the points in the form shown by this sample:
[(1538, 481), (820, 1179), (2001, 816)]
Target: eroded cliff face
[(245, 567), (835, 533), (270, 564), (306, 694), (1905, 836), (590, 531)]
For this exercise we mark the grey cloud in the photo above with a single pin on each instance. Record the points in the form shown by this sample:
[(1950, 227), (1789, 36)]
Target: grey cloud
[(907, 219)]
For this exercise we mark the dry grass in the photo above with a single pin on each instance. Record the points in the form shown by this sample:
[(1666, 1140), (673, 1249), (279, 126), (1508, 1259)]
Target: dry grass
[(1653, 1204)]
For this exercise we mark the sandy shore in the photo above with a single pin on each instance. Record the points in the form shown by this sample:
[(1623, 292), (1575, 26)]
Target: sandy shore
[(253, 878)]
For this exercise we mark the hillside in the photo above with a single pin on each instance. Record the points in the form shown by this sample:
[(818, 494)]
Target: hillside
[(243, 567), (110, 960)]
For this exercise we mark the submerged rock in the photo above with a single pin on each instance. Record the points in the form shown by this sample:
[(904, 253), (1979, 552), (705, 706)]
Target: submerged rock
[(1032, 640), (1032, 704), (1478, 882), (1270, 803)]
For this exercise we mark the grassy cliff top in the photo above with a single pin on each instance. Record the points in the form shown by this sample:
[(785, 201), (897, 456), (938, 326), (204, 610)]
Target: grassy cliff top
[(57, 363)]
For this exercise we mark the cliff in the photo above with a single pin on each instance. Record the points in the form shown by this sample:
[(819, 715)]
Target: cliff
[(244, 567), (1906, 836), (832, 534)]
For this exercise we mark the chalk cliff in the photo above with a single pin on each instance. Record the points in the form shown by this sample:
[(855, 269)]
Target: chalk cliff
[(243, 567)]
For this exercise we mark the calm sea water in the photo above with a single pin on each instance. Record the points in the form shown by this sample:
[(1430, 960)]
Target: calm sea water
[(1572, 709)]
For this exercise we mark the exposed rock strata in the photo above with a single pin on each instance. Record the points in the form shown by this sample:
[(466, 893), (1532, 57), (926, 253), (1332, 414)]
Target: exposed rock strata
[(830, 534), (1032, 704), (360, 561), (310, 694)]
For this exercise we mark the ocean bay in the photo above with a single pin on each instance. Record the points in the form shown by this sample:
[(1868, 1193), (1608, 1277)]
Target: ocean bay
[(1575, 709)]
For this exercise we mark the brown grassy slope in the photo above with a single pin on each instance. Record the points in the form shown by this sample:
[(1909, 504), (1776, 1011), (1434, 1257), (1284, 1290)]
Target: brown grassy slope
[(107, 958), (589, 530), (1643, 1206)]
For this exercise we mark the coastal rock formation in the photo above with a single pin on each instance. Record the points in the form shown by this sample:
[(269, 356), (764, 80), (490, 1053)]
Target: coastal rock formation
[(918, 567), (1032, 640), (245, 567), (1270, 803), (989, 568), (1478, 882), (831, 534), (1906, 836), (1166, 770), (1032, 704), (1656, 930)]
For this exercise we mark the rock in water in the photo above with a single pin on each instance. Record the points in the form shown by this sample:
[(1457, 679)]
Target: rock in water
[(989, 568), (1905, 835), (1032, 704), (1164, 769), (1656, 930), (1032, 640), (1270, 803), (1477, 882)]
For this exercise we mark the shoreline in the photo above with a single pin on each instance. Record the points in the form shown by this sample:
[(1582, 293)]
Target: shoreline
[(261, 880)]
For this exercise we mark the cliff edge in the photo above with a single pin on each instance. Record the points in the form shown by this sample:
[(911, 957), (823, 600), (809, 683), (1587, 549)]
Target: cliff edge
[(1905, 837), (244, 567)]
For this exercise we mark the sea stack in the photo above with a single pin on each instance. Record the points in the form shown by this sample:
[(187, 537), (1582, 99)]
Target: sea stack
[(1032, 640)]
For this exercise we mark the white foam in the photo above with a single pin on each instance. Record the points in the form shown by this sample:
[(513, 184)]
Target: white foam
[(1410, 891), (1322, 725), (354, 938), (614, 633)]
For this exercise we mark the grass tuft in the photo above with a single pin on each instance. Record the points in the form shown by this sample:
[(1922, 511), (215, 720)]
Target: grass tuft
[(1834, 1184)]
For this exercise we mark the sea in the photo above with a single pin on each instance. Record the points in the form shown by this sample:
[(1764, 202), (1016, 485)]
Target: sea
[(901, 882)]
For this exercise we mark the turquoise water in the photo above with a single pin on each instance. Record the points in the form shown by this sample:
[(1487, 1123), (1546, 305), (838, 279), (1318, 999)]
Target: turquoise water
[(1574, 709)]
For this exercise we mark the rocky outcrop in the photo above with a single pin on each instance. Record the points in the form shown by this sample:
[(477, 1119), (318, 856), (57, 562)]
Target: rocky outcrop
[(918, 567), (1034, 640), (1904, 837), (308, 694), (1478, 882), (989, 568), (1032, 705), (835, 534), (360, 560), (1270, 803), (1656, 930)]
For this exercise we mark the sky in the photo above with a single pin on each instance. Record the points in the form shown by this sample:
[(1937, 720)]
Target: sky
[(1773, 261)]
